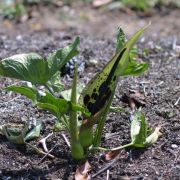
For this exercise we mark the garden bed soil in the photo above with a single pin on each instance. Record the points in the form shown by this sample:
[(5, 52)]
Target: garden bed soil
[(160, 86)]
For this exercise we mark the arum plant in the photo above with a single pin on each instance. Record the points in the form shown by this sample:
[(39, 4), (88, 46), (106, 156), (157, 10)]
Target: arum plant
[(97, 96), (95, 99)]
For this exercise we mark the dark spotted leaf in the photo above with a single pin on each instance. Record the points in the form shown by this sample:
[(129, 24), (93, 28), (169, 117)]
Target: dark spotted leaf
[(101, 88)]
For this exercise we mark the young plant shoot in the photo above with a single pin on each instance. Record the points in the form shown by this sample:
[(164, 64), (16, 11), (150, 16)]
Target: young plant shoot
[(95, 99), (97, 96)]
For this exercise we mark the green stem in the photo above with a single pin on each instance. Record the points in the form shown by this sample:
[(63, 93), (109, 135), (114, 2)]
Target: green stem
[(73, 114), (101, 122), (113, 149), (122, 147), (99, 131), (65, 121)]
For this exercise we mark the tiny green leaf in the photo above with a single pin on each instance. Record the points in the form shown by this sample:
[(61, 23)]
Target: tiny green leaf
[(14, 134), (121, 38), (34, 133), (59, 126), (135, 69)]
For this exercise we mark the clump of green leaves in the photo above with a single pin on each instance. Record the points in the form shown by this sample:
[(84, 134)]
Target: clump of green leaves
[(95, 100), (19, 134), (141, 135)]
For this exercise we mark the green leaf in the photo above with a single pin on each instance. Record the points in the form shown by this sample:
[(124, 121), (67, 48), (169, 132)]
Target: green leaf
[(151, 139), (34, 133), (24, 90), (49, 107), (121, 38), (27, 67), (141, 135), (60, 57), (53, 104), (129, 45), (139, 129), (135, 69)]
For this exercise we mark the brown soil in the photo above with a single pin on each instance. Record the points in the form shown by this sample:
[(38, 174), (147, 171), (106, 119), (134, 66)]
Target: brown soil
[(160, 85)]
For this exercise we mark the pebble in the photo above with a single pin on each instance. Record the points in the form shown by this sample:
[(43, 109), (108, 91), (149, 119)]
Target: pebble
[(93, 62), (174, 146)]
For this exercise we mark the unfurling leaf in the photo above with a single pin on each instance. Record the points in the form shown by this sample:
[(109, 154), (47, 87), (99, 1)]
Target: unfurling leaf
[(121, 39), (14, 134), (139, 129), (141, 135), (19, 134), (151, 139)]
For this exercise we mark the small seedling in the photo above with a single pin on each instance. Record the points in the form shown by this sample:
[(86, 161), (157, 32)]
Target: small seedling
[(141, 135), (19, 134)]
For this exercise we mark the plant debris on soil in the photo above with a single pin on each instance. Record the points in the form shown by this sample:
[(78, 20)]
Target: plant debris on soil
[(159, 88)]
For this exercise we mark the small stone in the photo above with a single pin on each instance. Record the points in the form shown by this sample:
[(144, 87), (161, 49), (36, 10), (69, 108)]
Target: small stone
[(93, 62), (19, 38), (174, 146)]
